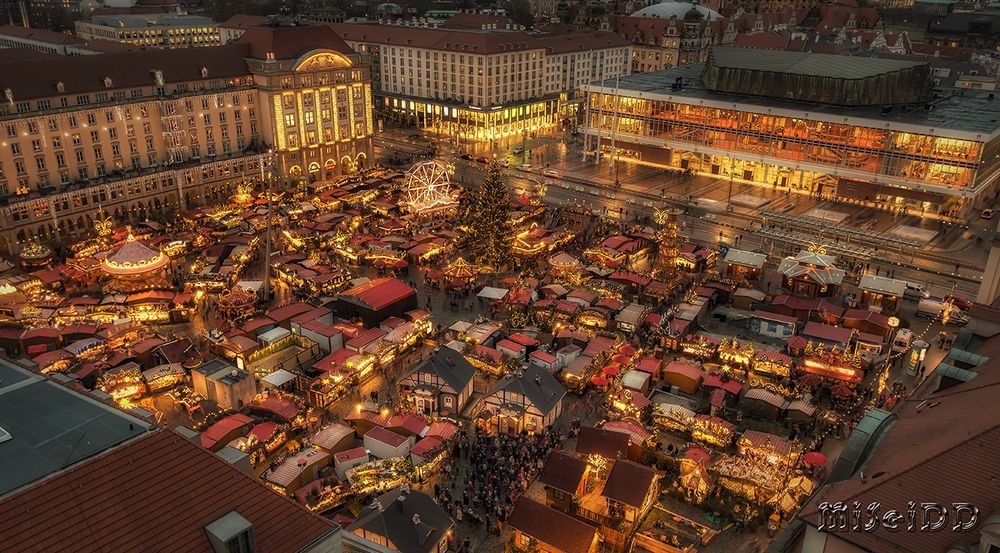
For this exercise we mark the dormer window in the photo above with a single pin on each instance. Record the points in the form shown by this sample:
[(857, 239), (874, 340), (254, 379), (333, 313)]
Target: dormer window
[(204, 72), (61, 87), (231, 533), (108, 83), (158, 77)]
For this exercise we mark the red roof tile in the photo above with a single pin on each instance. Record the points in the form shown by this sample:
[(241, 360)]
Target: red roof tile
[(278, 406), (827, 332), (387, 437), (157, 489), (211, 435), (379, 293), (350, 454)]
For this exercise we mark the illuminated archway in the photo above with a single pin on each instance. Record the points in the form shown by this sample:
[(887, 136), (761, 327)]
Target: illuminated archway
[(347, 166), (314, 167), (322, 59), (359, 160), (295, 172), (329, 168)]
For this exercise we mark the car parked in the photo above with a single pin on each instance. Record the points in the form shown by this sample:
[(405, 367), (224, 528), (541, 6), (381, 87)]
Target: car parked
[(958, 301)]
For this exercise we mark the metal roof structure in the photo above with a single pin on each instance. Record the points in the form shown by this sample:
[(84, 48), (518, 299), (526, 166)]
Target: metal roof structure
[(967, 357), (866, 435), (808, 63), (953, 372), (52, 427), (817, 78)]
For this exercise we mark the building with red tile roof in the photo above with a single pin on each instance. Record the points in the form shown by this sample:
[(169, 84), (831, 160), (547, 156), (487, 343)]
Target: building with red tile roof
[(376, 300), (159, 489)]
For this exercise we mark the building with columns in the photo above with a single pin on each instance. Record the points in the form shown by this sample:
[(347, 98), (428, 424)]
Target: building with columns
[(146, 133)]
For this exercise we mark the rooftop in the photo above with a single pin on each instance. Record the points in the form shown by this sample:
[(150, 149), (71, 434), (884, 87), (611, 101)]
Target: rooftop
[(108, 504), (808, 63), (52, 427), (379, 293), (410, 520), (555, 528), (563, 472), (629, 482)]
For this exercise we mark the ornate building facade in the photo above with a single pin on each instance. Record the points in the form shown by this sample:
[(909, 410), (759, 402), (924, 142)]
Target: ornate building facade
[(147, 133)]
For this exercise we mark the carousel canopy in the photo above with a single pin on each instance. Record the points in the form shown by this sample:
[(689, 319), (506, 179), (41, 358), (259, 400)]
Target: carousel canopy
[(134, 257)]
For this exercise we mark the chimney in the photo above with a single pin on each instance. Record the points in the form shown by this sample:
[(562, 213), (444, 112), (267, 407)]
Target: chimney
[(538, 380)]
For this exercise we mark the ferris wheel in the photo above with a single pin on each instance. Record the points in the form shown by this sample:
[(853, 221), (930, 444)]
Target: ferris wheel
[(428, 186)]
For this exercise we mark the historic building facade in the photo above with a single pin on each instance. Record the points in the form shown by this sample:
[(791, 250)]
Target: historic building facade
[(484, 86), (144, 134)]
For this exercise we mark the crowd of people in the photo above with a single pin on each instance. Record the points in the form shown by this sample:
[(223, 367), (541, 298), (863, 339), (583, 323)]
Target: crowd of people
[(489, 473)]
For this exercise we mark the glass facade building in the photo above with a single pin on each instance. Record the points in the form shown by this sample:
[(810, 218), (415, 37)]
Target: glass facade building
[(926, 157)]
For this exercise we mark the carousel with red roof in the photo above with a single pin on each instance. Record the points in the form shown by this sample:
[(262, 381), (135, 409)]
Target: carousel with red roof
[(238, 304), (135, 266)]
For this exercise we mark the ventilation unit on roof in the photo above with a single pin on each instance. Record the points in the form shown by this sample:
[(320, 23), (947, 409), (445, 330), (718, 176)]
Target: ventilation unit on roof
[(5, 436)]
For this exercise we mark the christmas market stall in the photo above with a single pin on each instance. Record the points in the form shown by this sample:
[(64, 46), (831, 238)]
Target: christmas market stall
[(380, 475), (699, 346), (832, 365), (712, 430), (811, 274), (683, 374), (736, 356), (671, 416), (771, 365), (772, 449), (460, 274), (763, 404)]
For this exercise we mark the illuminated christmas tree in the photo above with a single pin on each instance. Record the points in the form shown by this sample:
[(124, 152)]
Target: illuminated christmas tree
[(490, 230)]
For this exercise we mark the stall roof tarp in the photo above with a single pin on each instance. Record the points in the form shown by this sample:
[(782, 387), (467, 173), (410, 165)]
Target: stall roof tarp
[(745, 258), (279, 377), (492, 293), (273, 335), (882, 285)]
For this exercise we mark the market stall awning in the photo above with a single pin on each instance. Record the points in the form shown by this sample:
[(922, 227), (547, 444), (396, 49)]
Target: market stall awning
[(279, 377), (492, 293)]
